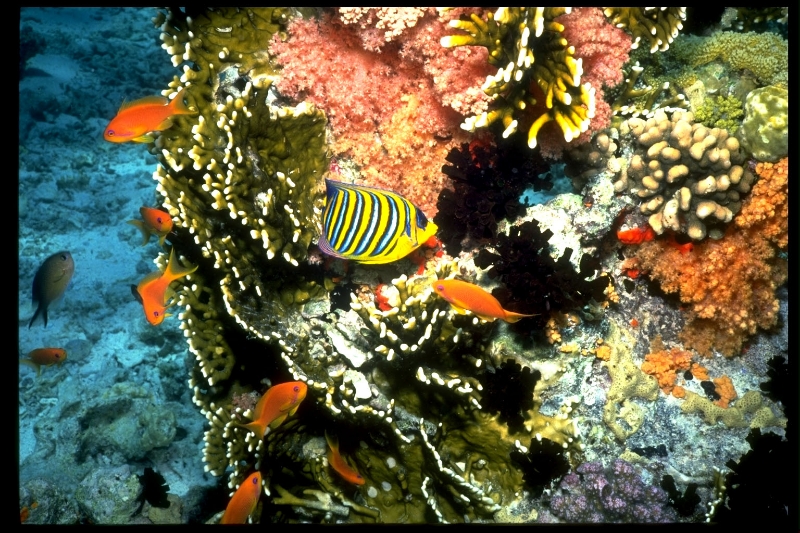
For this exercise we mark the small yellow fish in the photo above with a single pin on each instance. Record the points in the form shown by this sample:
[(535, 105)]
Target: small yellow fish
[(44, 357), (50, 282), (468, 296)]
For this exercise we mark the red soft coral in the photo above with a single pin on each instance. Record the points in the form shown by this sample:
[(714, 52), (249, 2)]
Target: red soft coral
[(396, 110)]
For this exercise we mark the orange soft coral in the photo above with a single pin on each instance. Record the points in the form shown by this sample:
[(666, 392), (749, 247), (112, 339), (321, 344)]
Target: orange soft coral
[(767, 210), (729, 284), (724, 387), (665, 364)]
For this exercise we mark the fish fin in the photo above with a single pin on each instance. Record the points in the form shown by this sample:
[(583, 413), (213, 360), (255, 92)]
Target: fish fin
[(179, 107), (326, 247), (457, 309), (147, 100), (512, 317), (175, 269), (147, 138), (35, 314), (135, 292), (256, 428), (31, 364), (278, 421), (165, 124), (333, 441), (145, 232)]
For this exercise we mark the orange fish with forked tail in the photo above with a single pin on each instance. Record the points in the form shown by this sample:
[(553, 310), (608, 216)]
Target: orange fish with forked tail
[(244, 500), (339, 463), (465, 296), (154, 221), (136, 120), (153, 291), (44, 357), (278, 403)]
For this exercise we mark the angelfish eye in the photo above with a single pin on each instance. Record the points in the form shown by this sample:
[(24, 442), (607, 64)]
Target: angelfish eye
[(110, 133), (156, 314), (255, 481), (296, 388), (440, 287)]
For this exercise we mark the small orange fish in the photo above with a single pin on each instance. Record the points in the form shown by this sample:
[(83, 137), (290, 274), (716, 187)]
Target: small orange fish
[(154, 221), (636, 235), (50, 282), (135, 120), (153, 291), (244, 500), (278, 403), (339, 464), (44, 357), (468, 296)]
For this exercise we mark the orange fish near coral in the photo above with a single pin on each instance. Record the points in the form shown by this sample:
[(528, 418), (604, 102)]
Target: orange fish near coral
[(136, 120), (277, 404), (50, 282), (44, 357), (244, 500), (636, 235), (339, 464), (154, 221), (153, 291), (465, 296)]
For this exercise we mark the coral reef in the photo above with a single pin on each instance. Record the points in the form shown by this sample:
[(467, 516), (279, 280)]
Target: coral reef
[(690, 178), (397, 132), (763, 54), (657, 26), (535, 65), (487, 183), (614, 494), (729, 284), (765, 128)]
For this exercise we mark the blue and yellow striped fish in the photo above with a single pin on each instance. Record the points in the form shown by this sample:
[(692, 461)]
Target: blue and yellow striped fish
[(371, 225)]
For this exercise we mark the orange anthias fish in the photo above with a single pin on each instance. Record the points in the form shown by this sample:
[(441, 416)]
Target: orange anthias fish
[(636, 235), (339, 464), (44, 357), (50, 282), (135, 120), (278, 403), (154, 221), (153, 291), (244, 500), (465, 296)]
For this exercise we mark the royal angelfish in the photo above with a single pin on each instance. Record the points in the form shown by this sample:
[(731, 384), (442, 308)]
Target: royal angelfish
[(371, 225)]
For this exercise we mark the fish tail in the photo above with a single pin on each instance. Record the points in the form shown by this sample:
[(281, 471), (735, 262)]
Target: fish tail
[(512, 317), (41, 309), (175, 269), (179, 107), (256, 427), (333, 441), (145, 232), (31, 364)]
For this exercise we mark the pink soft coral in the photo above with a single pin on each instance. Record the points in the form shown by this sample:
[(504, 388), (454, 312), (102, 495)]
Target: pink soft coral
[(396, 108)]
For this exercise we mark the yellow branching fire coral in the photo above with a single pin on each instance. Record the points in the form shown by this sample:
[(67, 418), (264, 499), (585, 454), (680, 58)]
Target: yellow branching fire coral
[(534, 63), (657, 26)]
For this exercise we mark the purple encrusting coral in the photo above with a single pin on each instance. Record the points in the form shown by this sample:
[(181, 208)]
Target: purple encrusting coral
[(616, 494)]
